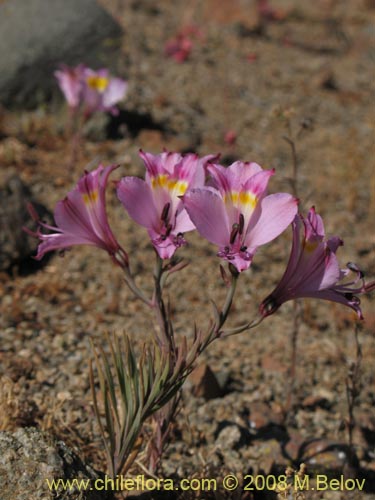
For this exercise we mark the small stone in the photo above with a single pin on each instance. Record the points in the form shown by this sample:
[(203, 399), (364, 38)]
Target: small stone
[(293, 447), (261, 416), (322, 454), (270, 364), (322, 400), (268, 455), (230, 437), (16, 246), (204, 383), (29, 456)]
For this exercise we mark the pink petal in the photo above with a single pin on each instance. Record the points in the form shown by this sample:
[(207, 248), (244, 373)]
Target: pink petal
[(136, 196), (314, 227), (278, 211), (183, 223), (220, 177), (234, 177), (71, 217), (115, 92), (332, 272), (240, 263), (207, 211), (165, 249), (158, 164), (257, 184), (60, 242)]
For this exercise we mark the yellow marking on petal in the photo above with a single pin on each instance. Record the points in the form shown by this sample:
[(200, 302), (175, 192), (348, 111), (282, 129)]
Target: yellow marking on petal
[(163, 181), (90, 198), (310, 246), (232, 197), (159, 181), (96, 82), (247, 198), (178, 187)]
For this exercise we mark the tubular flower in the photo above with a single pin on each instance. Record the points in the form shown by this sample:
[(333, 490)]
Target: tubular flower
[(102, 92), (81, 219), (155, 203), (313, 270), (236, 214)]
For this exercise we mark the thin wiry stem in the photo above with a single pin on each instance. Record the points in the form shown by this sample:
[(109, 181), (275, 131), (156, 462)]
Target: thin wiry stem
[(129, 280), (353, 391), (292, 372)]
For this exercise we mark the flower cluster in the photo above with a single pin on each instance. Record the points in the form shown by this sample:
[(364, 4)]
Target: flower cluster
[(231, 210), (90, 90)]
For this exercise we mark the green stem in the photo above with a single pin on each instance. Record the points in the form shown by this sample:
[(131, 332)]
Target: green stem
[(242, 328), (158, 305), (228, 301), (134, 288)]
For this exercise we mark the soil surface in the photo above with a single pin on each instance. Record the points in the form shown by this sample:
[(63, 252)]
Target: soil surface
[(253, 76)]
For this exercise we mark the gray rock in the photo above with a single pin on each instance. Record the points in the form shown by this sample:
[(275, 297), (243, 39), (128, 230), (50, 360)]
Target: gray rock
[(28, 457), (16, 247), (37, 35)]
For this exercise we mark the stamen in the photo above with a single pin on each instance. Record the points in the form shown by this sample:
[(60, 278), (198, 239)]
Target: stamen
[(233, 234), (353, 267), (241, 224), (165, 212)]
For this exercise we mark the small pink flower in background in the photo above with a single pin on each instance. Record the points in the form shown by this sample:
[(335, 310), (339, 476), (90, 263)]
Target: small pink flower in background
[(270, 13), (251, 57), (102, 92), (180, 46), (81, 219), (155, 202), (230, 137), (93, 90), (237, 215), (71, 83), (313, 270)]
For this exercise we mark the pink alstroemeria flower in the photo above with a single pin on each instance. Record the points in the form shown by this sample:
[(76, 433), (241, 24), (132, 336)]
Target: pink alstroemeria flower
[(102, 92), (313, 270), (71, 83), (93, 90), (238, 216), (81, 219), (155, 202)]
